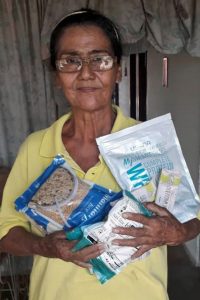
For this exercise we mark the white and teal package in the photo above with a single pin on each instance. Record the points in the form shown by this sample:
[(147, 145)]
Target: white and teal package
[(58, 199), (115, 257), (140, 152)]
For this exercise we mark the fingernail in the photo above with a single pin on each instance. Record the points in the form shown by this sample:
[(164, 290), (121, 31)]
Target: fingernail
[(114, 242), (115, 230), (102, 247), (134, 256), (91, 270), (126, 215)]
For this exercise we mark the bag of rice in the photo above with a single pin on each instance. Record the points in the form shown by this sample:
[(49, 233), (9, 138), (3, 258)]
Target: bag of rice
[(58, 199)]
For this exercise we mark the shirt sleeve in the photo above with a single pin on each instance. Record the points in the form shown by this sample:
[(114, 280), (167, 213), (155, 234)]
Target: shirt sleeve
[(16, 184)]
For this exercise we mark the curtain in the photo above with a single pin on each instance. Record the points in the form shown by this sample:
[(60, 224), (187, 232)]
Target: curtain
[(189, 14), (168, 25), (55, 11), (24, 105), (163, 26), (28, 96)]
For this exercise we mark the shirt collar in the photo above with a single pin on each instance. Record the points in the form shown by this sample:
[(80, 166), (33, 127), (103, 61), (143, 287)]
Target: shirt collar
[(52, 141)]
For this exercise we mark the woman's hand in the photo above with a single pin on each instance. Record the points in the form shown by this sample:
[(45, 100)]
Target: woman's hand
[(161, 229), (20, 242), (55, 245)]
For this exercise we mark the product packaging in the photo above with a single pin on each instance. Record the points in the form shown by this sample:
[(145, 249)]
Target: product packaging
[(58, 199), (136, 156), (167, 189), (111, 262)]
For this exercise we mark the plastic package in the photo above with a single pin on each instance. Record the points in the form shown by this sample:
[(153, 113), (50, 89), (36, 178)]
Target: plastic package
[(140, 152), (115, 257), (145, 193), (168, 185), (58, 199)]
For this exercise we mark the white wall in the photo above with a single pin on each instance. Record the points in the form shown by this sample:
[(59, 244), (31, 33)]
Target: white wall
[(182, 99)]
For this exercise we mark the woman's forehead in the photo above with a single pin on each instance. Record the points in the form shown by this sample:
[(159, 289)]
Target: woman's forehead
[(85, 38)]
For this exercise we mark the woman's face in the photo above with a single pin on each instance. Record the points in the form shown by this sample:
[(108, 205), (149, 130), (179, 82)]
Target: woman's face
[(86, 89)]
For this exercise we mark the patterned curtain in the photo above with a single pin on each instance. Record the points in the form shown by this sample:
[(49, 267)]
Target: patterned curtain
[(168, 25), (24, 105), (28, 96)]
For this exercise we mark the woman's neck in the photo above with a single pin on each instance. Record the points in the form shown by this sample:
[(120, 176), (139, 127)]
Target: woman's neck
[(87, 126)]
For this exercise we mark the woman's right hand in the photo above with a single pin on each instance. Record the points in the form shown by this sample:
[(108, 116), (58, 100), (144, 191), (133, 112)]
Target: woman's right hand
[(20, 242), (56, 245)]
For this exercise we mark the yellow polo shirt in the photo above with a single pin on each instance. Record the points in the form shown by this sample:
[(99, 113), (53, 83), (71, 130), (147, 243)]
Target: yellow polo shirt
[(54, 279)]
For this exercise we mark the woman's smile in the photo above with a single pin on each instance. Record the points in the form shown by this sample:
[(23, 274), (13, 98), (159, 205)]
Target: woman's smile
[(87, 89)]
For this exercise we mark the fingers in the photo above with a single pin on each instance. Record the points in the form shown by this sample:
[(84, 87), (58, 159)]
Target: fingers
[(55, 245), (87, 253), (137, 242), (83, 264), (158, 210), (137, 218), (141, 251), (131, 231)]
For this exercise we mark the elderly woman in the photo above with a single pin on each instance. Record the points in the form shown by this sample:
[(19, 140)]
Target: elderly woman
[(85, 54)]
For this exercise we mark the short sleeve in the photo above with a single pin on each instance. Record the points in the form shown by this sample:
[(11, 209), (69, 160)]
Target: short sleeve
[(16, 183)]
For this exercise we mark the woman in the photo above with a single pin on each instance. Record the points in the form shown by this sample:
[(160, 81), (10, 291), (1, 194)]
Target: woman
[(85, 54)]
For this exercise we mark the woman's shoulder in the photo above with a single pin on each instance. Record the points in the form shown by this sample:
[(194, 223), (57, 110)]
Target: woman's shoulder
[(38, 135), (35, 137)]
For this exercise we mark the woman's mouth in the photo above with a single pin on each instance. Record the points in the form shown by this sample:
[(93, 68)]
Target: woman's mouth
[(87, 89)]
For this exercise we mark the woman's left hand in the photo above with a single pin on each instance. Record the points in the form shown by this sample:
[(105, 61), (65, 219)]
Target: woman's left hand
[(161, 229)]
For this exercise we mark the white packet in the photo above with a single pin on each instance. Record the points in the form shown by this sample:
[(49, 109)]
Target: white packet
[(167, 188), (104, 234), (115, 258), (150, 146)]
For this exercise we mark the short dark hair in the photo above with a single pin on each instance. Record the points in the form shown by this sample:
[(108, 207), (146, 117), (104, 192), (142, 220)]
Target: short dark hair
[(86, 17)]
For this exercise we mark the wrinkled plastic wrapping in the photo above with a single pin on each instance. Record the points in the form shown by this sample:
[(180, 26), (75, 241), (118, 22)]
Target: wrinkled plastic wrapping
[(141, 152), (58, 199), (115, 258)]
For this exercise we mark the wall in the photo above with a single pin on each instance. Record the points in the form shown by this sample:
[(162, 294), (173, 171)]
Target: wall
[(182, 99)]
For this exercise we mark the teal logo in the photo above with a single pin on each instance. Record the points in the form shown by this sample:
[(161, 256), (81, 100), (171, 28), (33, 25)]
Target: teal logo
[(138, 175)]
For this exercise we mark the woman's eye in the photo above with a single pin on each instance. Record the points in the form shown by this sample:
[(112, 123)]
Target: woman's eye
[(72, 61), (97, 59)]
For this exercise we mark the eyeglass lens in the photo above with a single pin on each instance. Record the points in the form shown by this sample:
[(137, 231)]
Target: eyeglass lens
[(75, 63)]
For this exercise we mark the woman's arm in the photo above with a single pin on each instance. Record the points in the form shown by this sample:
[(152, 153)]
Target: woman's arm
[(20, 242), (161, 229)]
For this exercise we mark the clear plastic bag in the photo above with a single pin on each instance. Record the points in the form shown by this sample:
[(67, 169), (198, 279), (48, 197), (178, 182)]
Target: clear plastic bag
[(140, 152)]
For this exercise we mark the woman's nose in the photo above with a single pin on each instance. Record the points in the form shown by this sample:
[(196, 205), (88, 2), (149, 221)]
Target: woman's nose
[(86, 71)]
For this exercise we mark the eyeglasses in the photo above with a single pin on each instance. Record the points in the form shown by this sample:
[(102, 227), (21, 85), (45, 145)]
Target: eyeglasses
[(72, 63)]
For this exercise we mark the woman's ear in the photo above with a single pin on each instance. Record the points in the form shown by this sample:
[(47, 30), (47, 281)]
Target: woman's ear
[(119, 74)]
